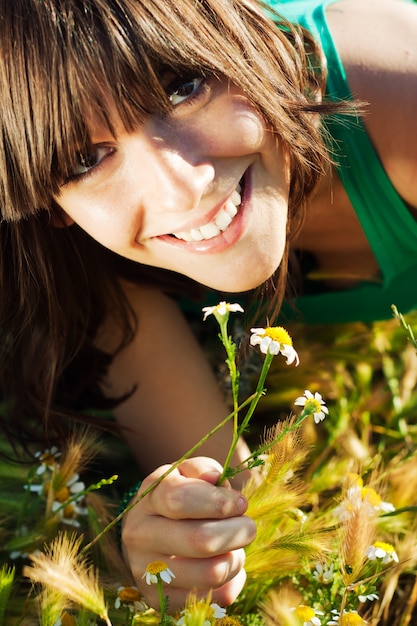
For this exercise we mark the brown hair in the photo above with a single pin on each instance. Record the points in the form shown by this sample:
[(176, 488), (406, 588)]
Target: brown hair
[(62, 58)]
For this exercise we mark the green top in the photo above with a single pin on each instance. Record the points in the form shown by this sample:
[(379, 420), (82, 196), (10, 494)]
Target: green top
[(385, 219)]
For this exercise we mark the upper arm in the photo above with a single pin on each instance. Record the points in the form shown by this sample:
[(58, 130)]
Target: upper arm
[(378, 46), (177, 399)]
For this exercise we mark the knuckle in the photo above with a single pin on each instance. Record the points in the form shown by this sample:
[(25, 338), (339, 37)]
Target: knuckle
[(134, 534), (174, 503), (205, 539)]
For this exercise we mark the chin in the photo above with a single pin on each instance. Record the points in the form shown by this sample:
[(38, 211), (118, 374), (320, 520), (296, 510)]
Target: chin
[(233, 283)]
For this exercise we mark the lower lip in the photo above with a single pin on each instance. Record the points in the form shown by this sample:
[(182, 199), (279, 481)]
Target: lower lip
[(227, 238)]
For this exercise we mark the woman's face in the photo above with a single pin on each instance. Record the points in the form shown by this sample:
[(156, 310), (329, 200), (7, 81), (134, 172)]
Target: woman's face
[(202, 191)]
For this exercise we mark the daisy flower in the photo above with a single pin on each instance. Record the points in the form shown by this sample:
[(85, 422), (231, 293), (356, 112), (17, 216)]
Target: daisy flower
[(313, 404), (201, 612), (47, 459), (307, 615), (323, 573), (129, 597), (349, 618), (158, 570), (363, 597), (221, 310), (274, 340), (383, 551)]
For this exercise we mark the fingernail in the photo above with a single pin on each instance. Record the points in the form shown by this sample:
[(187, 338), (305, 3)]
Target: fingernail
[(211, 477), (242, 504)]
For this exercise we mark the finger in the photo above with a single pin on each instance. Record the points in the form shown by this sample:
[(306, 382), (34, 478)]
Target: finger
[(224, 595), (194, 573), (199, 465), (203, 468), (179, 497), (189, 538)]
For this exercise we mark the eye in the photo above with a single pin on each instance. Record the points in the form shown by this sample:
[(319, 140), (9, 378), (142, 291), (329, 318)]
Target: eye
[(87, 161), (182, 89)]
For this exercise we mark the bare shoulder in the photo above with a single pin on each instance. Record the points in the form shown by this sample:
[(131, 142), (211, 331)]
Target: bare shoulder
[(377, 42)]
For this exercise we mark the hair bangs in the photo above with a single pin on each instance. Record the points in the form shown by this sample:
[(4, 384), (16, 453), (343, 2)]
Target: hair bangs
[(63, 63), (67, 62)]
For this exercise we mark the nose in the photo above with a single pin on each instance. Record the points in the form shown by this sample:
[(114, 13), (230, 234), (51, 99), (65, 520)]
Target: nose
[(173, 179)]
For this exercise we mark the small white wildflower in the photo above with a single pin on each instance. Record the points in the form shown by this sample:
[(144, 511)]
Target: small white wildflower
[(218, 611), (307, 615), (274, 340), (370, 596), (69, 513), (201, 612), (358, 496), (158, 569), (313, 404), (383, 551), (323, 573), (348, 618), (48, 458), (129, 597), (221, 310)]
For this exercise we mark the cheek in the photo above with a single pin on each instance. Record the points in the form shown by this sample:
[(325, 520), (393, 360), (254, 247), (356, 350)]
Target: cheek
[(102, 221), (230, 126), (241, 132)]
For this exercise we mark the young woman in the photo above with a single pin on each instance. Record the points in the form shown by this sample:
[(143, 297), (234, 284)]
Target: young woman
[(186, 136)]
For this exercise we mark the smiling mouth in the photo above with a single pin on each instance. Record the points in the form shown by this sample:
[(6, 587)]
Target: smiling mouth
[(219, 224)]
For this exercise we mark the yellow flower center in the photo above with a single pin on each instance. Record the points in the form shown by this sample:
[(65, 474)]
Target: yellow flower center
[(304, 613), (62, 495), (156, 567), (129, 595), (371, 496), (228, 621), (279, 334), (69, 511), (47, 458), (354, 479), (352, 619), (389, 549), (312, 405)]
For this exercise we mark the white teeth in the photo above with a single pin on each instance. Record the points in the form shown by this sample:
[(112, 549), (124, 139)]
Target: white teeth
[(230, 208), (222, 220), (235, 198), (196, 234), (210, 230)]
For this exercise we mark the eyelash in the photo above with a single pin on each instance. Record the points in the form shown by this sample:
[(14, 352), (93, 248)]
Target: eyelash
[(171, 89), (83, 157), (198, 83)]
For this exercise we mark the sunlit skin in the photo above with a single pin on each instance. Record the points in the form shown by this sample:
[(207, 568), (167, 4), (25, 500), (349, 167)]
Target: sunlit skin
[(175, 174)]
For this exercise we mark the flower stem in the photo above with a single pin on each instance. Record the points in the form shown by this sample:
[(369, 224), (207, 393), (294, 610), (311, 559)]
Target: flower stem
[(252, 406), (161, 599)]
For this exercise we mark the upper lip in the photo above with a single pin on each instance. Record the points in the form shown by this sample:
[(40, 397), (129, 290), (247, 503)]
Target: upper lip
[(196, 222)]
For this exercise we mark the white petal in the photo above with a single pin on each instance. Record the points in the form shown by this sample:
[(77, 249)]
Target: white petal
[(264, 344), (300, 401), (255, 340), (274, 347), (218, 611), (236, 308)]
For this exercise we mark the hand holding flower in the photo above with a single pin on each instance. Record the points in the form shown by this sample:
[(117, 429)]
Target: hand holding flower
[(198, 529)]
